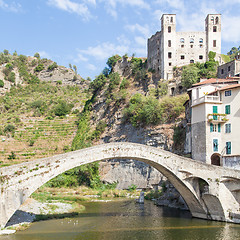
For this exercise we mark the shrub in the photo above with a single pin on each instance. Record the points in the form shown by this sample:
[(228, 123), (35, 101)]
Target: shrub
[(52, 66), (124, 83), (11, 77), (63, 108), (12, 156), (37, 55), (190, 75), (98, 83), (39, 68), (1, 83), (111, 62), (9, 128)]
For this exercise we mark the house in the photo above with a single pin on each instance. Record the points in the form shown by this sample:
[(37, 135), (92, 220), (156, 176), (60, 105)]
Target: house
[(214, 122)]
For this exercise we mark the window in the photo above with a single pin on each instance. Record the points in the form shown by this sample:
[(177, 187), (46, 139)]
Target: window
[(214, 28), (201, 46), (191, 40), (228, 93), (169, 43), (214, 43), (228, 148), (191, 61), (182, 57), (227, 109), (228, 128), (222, 71), (182, 46), (215, 145), (191, 46), (169, 55), (182, 40), (171, 19), (216, 21), (213, 127), (170, 64), (169, 29), (201, 57), (200, 40), (229, 68)]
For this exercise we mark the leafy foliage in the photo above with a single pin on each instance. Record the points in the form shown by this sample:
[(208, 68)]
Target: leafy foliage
[(111, 62), (98, 83), (39, 67), (63, 108), (1, 83), (150, 111)]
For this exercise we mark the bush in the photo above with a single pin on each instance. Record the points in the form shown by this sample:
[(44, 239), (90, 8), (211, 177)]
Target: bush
[(111, 62), (190, 76), (98, 83), (1, 83), (124, 84), (9, 128), (39, 68), (52, 66), (63, 108), (11, 77), (12, 156)]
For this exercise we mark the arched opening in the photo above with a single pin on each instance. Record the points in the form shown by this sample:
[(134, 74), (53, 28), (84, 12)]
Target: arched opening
[(172, 91), (165, 162), (216, 159)]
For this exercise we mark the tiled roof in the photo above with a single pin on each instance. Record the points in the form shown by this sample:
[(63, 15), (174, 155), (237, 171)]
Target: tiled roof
[(225, 88), (216, 80)]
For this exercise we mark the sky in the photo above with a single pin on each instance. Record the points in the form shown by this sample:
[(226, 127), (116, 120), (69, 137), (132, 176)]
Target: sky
[(86, 33)]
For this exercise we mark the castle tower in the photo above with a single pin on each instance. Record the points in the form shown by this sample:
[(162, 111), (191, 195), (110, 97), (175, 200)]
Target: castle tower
[(213, 33), (168, 30)]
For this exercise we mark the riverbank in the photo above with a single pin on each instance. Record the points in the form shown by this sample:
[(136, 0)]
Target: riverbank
[(54, 203)]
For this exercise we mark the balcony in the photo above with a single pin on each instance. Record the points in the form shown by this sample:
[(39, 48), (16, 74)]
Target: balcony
[(217, 118), (206, 99)]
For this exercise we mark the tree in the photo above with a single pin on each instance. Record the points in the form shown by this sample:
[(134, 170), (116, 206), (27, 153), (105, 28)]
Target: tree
[(37, 55), (75, 69), (190, 76), (111, 62), (211, 56), (6, 52), (70, 65), (1, 83)]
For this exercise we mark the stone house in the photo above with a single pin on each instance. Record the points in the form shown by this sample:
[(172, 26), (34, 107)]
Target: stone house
[(213, 135), (169, 48)]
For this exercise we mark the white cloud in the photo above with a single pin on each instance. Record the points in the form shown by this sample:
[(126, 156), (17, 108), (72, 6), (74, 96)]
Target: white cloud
[(140, 41), (72, 7), (104, 50), (111, 6), (12, 7), (80, 58), (44, 54), (230, 30), (144, 30), (175, 4), (91, 67)]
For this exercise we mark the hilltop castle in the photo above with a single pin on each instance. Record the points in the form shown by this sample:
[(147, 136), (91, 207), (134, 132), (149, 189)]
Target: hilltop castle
[(169, 48)]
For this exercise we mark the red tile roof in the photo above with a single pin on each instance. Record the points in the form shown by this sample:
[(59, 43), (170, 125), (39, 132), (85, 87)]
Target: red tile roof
[(216, 80)]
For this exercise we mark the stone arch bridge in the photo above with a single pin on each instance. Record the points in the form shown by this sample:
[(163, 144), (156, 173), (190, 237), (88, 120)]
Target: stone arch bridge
[(211, 192)]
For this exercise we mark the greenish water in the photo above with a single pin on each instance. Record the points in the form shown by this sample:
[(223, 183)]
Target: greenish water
[(128, 220)]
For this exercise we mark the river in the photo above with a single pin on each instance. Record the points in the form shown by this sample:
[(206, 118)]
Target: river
[(127, 220)]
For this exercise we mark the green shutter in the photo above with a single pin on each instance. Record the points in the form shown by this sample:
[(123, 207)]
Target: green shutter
[(215, 110), (227, 109), (219, 127), (215, 145), (211, 127)]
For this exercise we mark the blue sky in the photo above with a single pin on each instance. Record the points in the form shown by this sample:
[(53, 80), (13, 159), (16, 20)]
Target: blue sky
[(86, 32)]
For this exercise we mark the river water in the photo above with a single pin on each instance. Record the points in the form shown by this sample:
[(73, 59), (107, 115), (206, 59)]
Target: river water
[(128, 220)]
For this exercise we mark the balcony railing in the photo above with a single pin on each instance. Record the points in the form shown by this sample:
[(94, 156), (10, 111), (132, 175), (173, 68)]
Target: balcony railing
[(217, 118), (206, 98)]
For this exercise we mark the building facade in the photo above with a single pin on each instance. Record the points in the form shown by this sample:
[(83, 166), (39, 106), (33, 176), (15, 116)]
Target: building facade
[(230, 69), (169, 48), (213, 135)]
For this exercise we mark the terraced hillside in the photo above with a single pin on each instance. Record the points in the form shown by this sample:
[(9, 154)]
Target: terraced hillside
[(38, 120)]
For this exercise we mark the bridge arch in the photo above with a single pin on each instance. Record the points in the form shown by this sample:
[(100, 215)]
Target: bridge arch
[(18, 182)]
